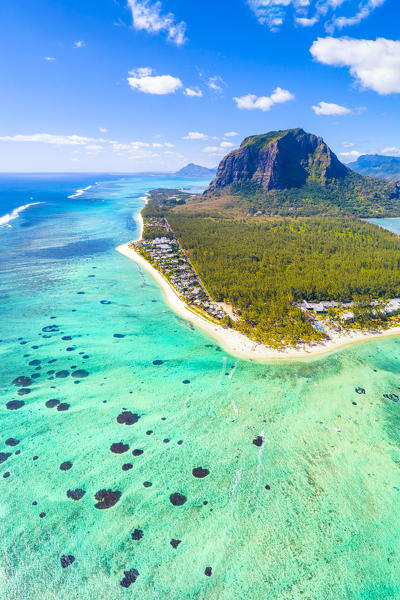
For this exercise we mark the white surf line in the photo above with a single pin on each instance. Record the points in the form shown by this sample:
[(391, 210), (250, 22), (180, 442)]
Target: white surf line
[(14, 214), (80, 192), (235, 408), (233, 370), (236, 484), (260, 455)]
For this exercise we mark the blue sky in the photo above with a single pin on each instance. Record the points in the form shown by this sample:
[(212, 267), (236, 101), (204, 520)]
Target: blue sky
[(136, 85)]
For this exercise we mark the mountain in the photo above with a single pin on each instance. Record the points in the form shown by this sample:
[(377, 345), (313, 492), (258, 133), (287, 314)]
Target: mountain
[(375, 165), (279, 160), (294, 173), (192, 170)]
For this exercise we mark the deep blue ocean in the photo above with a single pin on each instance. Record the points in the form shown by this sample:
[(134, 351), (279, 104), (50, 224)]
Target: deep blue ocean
[(128, 467)]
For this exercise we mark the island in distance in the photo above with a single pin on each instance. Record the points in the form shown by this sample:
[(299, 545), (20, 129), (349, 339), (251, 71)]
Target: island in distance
[(192, 170), (279, 236)]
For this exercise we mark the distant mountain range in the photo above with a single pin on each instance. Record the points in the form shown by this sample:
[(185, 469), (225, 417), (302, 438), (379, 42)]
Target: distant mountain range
[(192, 170), (375, 165), (294, 173)]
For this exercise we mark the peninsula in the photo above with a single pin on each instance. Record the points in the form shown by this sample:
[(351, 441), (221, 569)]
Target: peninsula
[(273, 259)]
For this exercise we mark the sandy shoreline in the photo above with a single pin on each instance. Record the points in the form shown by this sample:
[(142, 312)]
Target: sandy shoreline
[(237, 344)]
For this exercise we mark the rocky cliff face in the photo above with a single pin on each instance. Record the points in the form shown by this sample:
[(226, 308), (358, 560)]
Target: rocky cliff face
[(279, 160)]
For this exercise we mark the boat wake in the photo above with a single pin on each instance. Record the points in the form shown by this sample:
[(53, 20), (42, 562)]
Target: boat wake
[(5, 219)]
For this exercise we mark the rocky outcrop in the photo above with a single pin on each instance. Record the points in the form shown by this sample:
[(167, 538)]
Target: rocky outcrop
[(279, 160)]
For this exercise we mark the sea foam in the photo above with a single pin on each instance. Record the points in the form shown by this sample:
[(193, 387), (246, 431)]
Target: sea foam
[(80, 192), (5, 219)]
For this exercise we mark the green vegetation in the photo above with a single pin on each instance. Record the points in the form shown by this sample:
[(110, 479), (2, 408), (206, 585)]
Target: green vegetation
[(262, 266), (354, 195)]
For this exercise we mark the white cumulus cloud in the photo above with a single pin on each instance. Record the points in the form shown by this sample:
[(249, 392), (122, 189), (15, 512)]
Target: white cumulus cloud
[(392, 151), (49, 58), (375, 64), (231, 134), (79, 44), (148, 16), (195, 135), (330, 108), (264, 103), (349, 156), (193, 93), (49, 138), (143, 80), (218, 150)]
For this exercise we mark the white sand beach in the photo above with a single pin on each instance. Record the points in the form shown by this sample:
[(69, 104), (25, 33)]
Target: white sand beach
[(239, 345)]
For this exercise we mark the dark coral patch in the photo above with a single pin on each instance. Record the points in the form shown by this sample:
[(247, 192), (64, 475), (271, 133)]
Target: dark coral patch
[(147, 484), (76, 494), (22, 381), (42, 515), (12, 442), (177, 499), (129, 578), (128, 418), (106, 498), (137, 452), (208, 571), (105, 302), (15, 404), (50, 328), (67, 338), (175, 543), (186, 381), (149, 432), (119, 448), (392, 397), (80, 374), (267, 487), (158, 362), (127, 466), (4, 456), (66, 466), (137, 534), (35, 362), (166, 440), (63, 406), (360, 390), (67, 560), (62, 374), (24, 391), (118, 335), (258, 441), (6, 474), (52, 403), (200, 473)]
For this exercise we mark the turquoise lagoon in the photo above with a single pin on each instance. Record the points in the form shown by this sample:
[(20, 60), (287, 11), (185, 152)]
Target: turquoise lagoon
[(312, 513)]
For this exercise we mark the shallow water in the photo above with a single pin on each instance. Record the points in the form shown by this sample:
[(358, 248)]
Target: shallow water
[(326, 528)]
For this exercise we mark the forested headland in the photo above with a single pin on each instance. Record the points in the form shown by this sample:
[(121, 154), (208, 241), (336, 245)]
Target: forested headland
[(262, 266)]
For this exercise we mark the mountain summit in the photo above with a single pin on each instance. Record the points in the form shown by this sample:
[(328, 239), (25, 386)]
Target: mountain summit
[(280, 160)]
